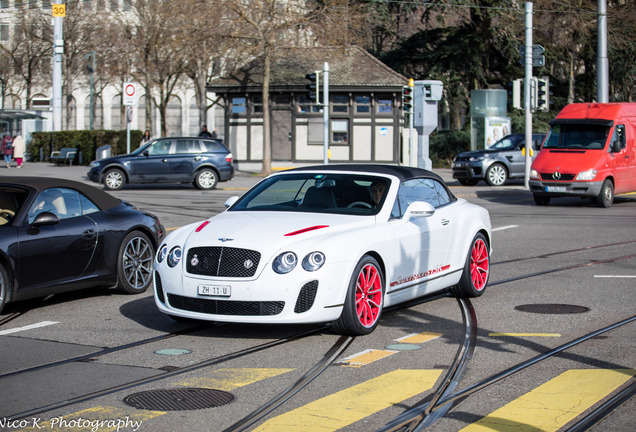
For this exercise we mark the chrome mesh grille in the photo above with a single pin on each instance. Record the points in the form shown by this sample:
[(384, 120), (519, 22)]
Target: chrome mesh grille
[(222, 261)]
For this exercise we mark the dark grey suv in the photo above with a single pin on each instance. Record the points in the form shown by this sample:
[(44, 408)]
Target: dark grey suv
[(502, 161), (201, 161)]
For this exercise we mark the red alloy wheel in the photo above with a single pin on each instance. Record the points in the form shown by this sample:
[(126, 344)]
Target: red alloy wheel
[(479, 264), (368, 295)]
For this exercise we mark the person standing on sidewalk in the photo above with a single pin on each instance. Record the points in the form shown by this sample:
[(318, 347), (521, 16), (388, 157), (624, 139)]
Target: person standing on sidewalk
[(6, 148), (19, 147)]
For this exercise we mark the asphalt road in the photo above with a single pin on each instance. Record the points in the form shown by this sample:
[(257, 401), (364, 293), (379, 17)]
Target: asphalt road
[(571, 256)]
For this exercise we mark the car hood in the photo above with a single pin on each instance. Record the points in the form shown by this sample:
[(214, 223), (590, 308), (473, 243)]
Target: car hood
[(271, 231), (566, 161)]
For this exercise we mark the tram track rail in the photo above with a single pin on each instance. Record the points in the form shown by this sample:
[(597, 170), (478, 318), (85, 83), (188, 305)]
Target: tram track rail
[(162, 376), (420, 416)]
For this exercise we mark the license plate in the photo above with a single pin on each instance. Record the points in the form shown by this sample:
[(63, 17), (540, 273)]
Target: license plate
[(555, 189), (215, 290)]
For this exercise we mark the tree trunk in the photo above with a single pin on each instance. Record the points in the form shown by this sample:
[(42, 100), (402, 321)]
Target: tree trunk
[(267, 142)]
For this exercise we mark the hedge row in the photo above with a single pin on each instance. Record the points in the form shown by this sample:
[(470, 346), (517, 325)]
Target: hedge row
[(85, 141)]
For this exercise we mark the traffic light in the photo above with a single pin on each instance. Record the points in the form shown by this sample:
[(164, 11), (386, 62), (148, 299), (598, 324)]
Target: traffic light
[(313, 86), (543, 94), (407, 99)]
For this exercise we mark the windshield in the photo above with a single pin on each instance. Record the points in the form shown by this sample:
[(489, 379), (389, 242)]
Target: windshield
[(507, 143), (577, 136), (352, 194)]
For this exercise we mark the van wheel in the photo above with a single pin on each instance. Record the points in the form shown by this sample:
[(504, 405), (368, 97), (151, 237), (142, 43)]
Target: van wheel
[(541, 200), (496, 175), (606, 197)]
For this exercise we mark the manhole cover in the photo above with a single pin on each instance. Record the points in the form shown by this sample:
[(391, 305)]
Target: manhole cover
[(552, 308), (179, 399)]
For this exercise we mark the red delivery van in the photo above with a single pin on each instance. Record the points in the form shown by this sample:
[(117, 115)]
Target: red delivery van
[(590, 151)]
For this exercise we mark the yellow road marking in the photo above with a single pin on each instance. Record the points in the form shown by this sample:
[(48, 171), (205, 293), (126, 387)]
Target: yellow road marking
[(419, 337), (552, 405), (525, 334), (348, 406), (365, 357), (103, 419), (230, 379)]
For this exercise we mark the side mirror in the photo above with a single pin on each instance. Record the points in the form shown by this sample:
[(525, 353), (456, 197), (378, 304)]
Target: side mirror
[(230, 201), (145, 153), (45, 218), (418, 209)]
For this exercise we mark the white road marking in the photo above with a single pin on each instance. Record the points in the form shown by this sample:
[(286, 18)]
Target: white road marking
[(505, 227), (29, 327), (616, 276)]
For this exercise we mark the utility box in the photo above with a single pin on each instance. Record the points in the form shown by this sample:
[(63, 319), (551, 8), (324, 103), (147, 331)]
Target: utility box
[(426, 95), (103, 152)]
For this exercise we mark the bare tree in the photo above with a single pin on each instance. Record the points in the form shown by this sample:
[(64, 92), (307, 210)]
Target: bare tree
[(29, 51)]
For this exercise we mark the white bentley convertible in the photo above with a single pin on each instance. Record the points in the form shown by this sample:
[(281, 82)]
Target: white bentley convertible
[(334, 244)]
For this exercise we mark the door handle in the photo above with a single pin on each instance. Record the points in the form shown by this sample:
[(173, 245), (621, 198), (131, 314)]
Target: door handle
[(165, 161), (89, 235), (197, 159), (445, 222)]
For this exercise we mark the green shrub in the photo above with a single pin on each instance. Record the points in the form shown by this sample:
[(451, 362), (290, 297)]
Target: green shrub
[(445, 145), (85, 141)]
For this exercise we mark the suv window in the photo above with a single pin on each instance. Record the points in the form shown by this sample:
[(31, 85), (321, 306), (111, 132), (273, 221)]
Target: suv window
[(188, 146), (212, 146), (161, 147)]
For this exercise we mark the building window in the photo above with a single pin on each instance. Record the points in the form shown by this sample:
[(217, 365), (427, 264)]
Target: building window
[(385, 105), (340, 131), (363, 104), (4, 4), (257, 103), (4, 32), (239, 105), (306, 106), (340, 104)]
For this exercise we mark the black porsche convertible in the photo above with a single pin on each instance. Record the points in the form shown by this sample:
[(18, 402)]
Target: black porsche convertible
[(59, 235)]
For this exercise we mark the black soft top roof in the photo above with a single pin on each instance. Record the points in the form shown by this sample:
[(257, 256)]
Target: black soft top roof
[(401, 172), (103, 200)]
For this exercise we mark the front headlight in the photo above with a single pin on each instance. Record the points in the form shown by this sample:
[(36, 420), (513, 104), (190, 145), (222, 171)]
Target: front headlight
[(534, 174), (586, 175), (93, 164), (162, 253), (313, 261), (174, 256), (285, 262)]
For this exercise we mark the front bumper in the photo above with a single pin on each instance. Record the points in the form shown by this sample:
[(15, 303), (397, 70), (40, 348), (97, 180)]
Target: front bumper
[(570, 188), (315, 297), (468, 170)]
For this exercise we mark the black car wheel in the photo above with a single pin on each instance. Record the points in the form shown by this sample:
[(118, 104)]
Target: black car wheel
[(365, 299), (114, 179), (135, 263), (606, 197), (4, 287), (206, 179), (496, 175)]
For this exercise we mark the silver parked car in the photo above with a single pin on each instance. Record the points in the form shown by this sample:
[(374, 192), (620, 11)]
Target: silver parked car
[(502, 161)]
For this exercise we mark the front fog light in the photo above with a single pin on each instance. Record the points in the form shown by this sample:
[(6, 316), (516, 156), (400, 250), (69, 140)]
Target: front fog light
[(313, 261), (285, 262), (174, 256)]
